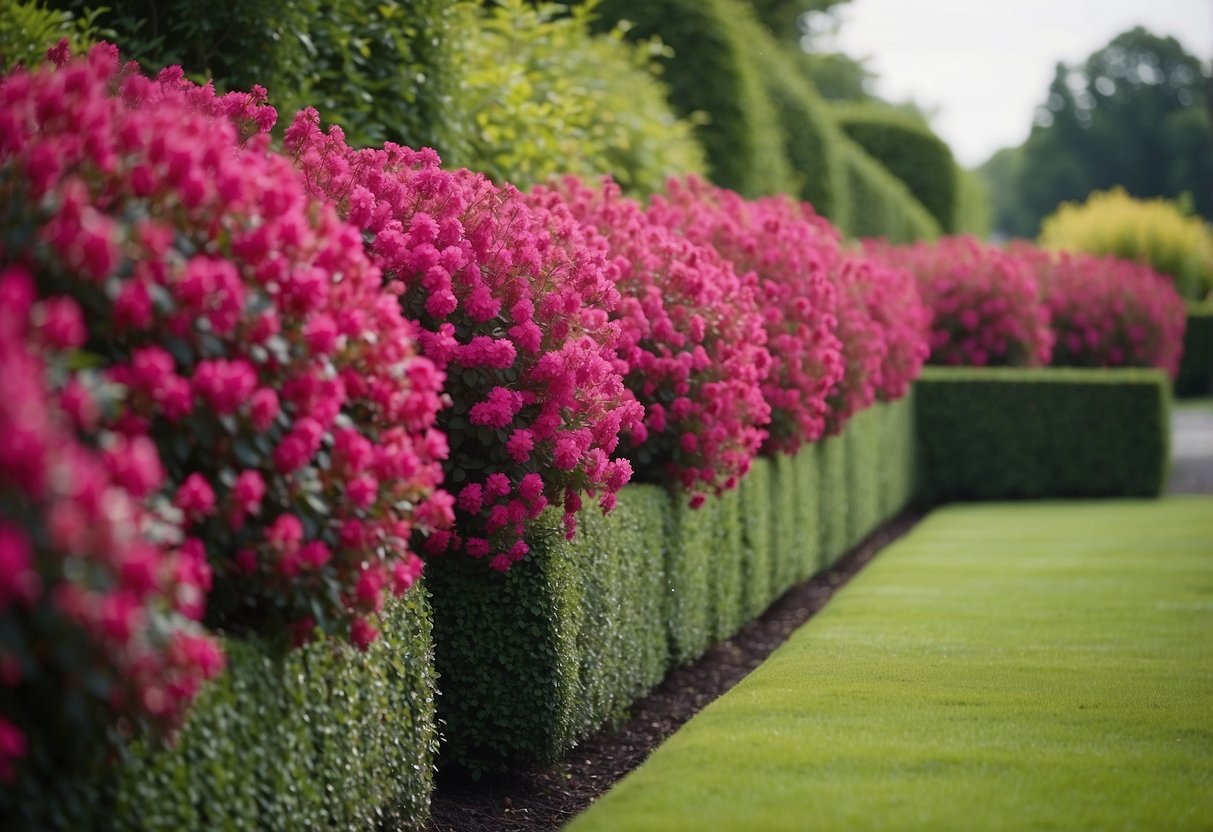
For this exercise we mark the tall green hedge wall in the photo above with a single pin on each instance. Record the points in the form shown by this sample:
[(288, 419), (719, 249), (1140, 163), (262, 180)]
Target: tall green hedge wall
[(995, 434), (811, 139), (912, 153), (712, 72), (879, 204)]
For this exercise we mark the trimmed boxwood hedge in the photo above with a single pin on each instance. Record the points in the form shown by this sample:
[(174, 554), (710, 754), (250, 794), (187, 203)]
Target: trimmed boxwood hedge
[(863, 449), (1001, 433), (879, 204), (1196, 369), (811, 139), (323, 737), (535, 658), (712, 72), (834, 499), (757, 532), (897, 456), (910, 151)]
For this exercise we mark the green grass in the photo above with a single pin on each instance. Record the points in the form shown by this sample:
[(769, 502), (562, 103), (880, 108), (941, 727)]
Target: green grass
[(1044, 666)]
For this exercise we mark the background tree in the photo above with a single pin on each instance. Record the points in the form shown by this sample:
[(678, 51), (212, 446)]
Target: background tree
[(1135, 114)]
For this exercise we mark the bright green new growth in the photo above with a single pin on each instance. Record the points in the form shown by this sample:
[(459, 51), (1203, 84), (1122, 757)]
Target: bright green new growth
[(1014, 666), (28, 28), (544, 97)]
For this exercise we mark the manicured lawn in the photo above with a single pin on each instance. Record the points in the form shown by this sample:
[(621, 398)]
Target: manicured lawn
[(1005, 666)]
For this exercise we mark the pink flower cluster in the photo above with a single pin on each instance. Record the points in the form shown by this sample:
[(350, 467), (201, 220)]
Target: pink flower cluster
[(864, 348), (512, 301), (1107, 312), (790, 251), (233, 324), (691, 344), (904, 321), (985, 303), (100, 589)]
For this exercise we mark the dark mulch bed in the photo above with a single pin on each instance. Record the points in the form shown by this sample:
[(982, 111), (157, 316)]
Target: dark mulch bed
[(547, 798)]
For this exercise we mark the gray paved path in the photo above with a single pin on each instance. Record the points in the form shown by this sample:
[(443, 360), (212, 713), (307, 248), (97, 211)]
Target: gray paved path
[(1191, 450)]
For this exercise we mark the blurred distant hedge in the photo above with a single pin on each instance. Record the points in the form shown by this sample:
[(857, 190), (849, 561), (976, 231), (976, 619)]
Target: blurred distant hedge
[(811, 140), (880, 204), (911, 152), (712, 71)]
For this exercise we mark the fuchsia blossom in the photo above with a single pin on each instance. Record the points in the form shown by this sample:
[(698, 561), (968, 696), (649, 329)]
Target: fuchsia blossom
[(985, 303), (106, 586), (511, 301), (236, 323), (690, 347), (790, 251), (1107, 312)]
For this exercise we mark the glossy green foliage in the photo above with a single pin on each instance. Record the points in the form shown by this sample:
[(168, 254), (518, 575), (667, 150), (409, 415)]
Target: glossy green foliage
[(910, 151), (896, 462), (690, 539), (791, 547), (711, 70), (322, 738), (28, 28), (879, 203), (996, 434), (725, 581), (1196, 369), (532, 660), (834, 502), (755, 495), (384, 71), (543, 96), (863, 452)]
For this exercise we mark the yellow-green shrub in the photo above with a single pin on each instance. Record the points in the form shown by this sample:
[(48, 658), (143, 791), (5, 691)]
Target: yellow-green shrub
[(1155, 231), (544, 96)]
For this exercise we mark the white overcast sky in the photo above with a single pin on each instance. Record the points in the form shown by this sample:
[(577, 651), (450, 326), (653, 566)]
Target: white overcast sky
[(984, 65)]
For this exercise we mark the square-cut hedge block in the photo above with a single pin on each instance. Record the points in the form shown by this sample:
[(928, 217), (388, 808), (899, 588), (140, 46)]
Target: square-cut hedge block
[(757, 540), (863, 440), (532, 660), (1001, 433), (323, 737), (897, 466), (788, 552), (834, 497)]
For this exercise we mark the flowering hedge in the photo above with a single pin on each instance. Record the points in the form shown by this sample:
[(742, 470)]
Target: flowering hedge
[(513, 301), (1107, 312), (214, 395), (791, 250), (985, 303), (99, 596), (896, 305), (691, 343)]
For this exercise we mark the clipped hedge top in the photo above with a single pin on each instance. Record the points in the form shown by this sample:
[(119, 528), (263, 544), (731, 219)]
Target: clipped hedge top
[(1045, 375)]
